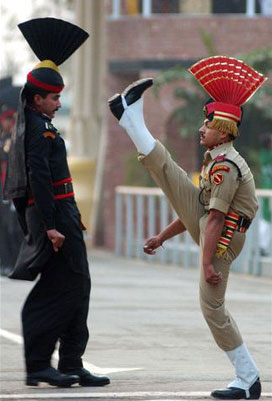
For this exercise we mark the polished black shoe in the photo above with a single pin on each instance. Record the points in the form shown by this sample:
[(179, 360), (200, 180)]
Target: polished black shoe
[(52, 377), (234, 393), (87, 379), (132, 93)]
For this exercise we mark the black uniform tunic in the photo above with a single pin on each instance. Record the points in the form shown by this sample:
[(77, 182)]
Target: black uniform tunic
[(57, 307)]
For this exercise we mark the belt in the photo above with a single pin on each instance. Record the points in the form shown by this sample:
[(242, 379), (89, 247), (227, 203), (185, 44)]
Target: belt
[(233, 222), (243, 224), (237, 222), (62, 189)]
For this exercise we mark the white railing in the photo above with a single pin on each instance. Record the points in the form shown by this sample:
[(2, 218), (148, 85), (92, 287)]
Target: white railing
[(142, 212)]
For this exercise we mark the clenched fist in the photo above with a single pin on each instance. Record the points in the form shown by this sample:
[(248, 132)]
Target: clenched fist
[(56, 238), (151, 244), (211, 276)]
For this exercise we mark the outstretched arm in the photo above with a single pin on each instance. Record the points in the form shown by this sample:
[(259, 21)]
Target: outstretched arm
[(173, 229)]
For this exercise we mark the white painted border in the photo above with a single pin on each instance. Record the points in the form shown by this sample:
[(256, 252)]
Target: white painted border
[(183, 394), (95, 369), (127, 395)]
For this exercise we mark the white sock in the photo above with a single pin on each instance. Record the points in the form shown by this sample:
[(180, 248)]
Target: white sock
[(133, 122), (245, 368)]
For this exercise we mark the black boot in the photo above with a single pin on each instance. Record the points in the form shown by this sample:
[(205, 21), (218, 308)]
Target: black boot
[(52, 377), (132, 93), (234, 393), (87, 379)]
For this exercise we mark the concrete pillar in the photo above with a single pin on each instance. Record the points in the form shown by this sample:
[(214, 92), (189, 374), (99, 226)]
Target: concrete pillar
[(250, 8), (87, 131), (89, 69), (115, 9), (147, 8)]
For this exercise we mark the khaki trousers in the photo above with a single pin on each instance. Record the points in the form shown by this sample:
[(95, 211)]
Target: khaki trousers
[(184, 198)]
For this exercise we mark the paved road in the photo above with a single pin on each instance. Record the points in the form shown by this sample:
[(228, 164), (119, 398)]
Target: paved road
[(147, 333)]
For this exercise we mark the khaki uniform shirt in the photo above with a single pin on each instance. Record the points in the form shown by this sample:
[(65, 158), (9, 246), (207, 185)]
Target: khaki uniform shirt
[(222, 189)]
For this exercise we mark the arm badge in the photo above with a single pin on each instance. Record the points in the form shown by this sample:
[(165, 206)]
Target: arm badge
[(218, 178)]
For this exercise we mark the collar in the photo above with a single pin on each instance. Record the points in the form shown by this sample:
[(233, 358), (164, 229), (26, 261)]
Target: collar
[(221, 149), (46, 117)]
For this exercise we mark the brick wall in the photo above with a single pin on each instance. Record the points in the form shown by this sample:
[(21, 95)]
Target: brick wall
[(178, 36)]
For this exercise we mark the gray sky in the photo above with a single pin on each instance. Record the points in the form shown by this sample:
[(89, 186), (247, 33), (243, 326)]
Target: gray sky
[(15, 52)]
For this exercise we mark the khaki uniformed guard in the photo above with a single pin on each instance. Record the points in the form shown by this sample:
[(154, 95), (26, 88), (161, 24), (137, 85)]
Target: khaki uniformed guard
[(218, 213)]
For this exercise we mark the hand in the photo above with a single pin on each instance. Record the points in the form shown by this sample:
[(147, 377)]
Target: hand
[(56, 238), (7, 145), (151, 244), (211, 276)]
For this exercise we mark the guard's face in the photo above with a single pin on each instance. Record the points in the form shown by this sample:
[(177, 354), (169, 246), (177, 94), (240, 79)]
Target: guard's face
[(48, 105), (209, 137)]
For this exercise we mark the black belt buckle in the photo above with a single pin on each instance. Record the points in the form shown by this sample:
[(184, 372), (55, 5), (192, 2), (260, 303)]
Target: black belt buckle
[(244, 222), (240, 222)]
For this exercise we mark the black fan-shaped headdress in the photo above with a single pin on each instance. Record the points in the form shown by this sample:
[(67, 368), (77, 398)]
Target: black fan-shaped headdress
[(53, 41)]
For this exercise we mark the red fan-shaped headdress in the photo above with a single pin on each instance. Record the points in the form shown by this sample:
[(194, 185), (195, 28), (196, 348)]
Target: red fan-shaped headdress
[(230, 83)]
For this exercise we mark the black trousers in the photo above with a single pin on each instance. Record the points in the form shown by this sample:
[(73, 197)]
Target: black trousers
[(56, 309)]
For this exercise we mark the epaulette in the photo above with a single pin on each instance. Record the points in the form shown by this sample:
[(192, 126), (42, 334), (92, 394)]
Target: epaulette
[(51, 131), (49, 126), (49, 135), (221, 159)]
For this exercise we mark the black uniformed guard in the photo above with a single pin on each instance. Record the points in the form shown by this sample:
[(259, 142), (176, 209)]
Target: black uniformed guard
[(41, 187), (11, 234)]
